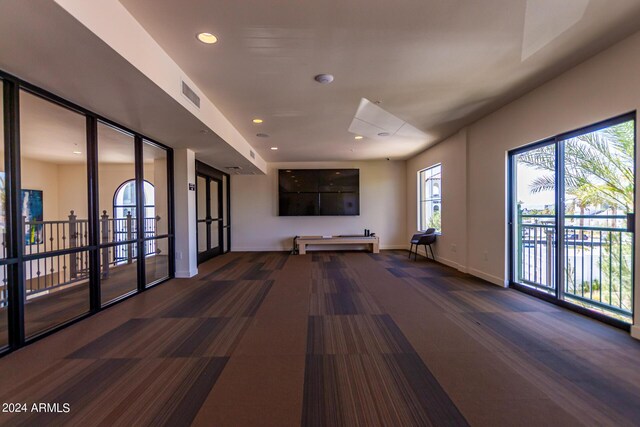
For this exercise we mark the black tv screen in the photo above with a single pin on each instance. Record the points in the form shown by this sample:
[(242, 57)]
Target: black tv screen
[(311, 192)]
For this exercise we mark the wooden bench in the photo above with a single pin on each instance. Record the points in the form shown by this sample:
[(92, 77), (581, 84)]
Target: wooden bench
[(303, 241)]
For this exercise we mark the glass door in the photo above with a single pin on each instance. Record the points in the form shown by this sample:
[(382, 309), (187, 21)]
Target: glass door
[(572, 220), (210, 222), (535, 210), (598, 200), (215, 210)]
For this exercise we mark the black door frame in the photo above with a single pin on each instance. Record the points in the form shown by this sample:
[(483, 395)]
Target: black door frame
[(557, 141), (15, 257), (211, 174)]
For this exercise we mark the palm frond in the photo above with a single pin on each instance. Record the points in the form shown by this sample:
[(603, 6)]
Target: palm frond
[(542, 183)]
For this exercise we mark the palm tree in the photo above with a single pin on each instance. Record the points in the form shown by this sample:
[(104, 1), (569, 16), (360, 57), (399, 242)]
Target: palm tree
[(599, 167), (599, 170)]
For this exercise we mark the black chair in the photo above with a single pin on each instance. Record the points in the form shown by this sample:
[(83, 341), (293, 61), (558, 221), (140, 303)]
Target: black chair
[(423, 239)]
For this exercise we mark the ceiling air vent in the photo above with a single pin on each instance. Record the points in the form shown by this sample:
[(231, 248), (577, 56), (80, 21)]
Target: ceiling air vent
[(190, 94), (252, 154), (234, 168)]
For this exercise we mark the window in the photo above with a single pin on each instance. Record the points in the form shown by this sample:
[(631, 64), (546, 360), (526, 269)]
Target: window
[(74, 230), (124, 213), (124, 201), (430, 198)]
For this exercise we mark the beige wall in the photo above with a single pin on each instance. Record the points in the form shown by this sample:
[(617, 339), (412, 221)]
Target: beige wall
[(605, 86), (38, 175), (72, 184), (64, 186), (43, 176), (256, 226)]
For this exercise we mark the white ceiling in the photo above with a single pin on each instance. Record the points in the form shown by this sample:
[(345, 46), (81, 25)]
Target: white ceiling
[(438, 65), (44, 45)]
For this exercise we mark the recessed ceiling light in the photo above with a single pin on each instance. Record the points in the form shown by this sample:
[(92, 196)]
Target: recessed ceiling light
[(77, 152), (257, 121), (274, 148), (207, 38), (358, 137), (262, 135)]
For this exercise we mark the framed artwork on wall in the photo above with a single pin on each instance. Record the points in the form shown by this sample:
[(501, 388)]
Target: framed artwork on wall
[(32, 211)]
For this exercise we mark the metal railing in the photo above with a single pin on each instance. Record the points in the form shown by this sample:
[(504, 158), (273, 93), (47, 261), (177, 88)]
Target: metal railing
[(597, 260), (48, 272)]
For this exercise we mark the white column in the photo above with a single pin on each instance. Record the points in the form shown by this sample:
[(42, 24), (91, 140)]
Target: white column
[(184, 161)]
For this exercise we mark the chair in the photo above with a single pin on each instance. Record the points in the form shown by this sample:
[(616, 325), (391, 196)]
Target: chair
[(423, 239)]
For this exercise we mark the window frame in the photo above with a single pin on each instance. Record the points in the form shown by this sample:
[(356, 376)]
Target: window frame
[(433, 200), (14, 262), (557, 297), (144, 199)]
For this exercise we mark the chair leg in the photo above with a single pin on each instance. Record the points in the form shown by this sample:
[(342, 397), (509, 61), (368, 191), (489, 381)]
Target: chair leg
[(432, 255), (410, 250)]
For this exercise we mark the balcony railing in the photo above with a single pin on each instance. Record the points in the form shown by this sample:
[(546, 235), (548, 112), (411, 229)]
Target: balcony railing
[(47, 273), (597, 264)]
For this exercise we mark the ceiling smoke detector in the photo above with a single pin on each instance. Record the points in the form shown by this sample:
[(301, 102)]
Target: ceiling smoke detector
[(324, 78)]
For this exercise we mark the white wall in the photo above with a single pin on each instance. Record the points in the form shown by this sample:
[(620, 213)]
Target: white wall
[(256, 226), (184, 167), (605, 86), (451, 245)]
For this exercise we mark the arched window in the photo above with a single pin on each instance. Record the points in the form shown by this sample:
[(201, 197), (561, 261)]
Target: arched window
[(124, 201), (124, 214)]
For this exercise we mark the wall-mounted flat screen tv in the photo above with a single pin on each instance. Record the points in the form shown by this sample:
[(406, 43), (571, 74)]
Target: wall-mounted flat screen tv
[(312, 192)]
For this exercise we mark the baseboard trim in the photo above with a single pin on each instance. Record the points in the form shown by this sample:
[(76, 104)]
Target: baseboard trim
[(186, 274), (489, 278), (635, 331), (262, 249), (393, 247), (448, 262), (315, 248), (442, 260)]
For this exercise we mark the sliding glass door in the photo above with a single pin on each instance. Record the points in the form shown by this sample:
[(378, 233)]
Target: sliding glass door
[(572, 221), (535, 210)]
